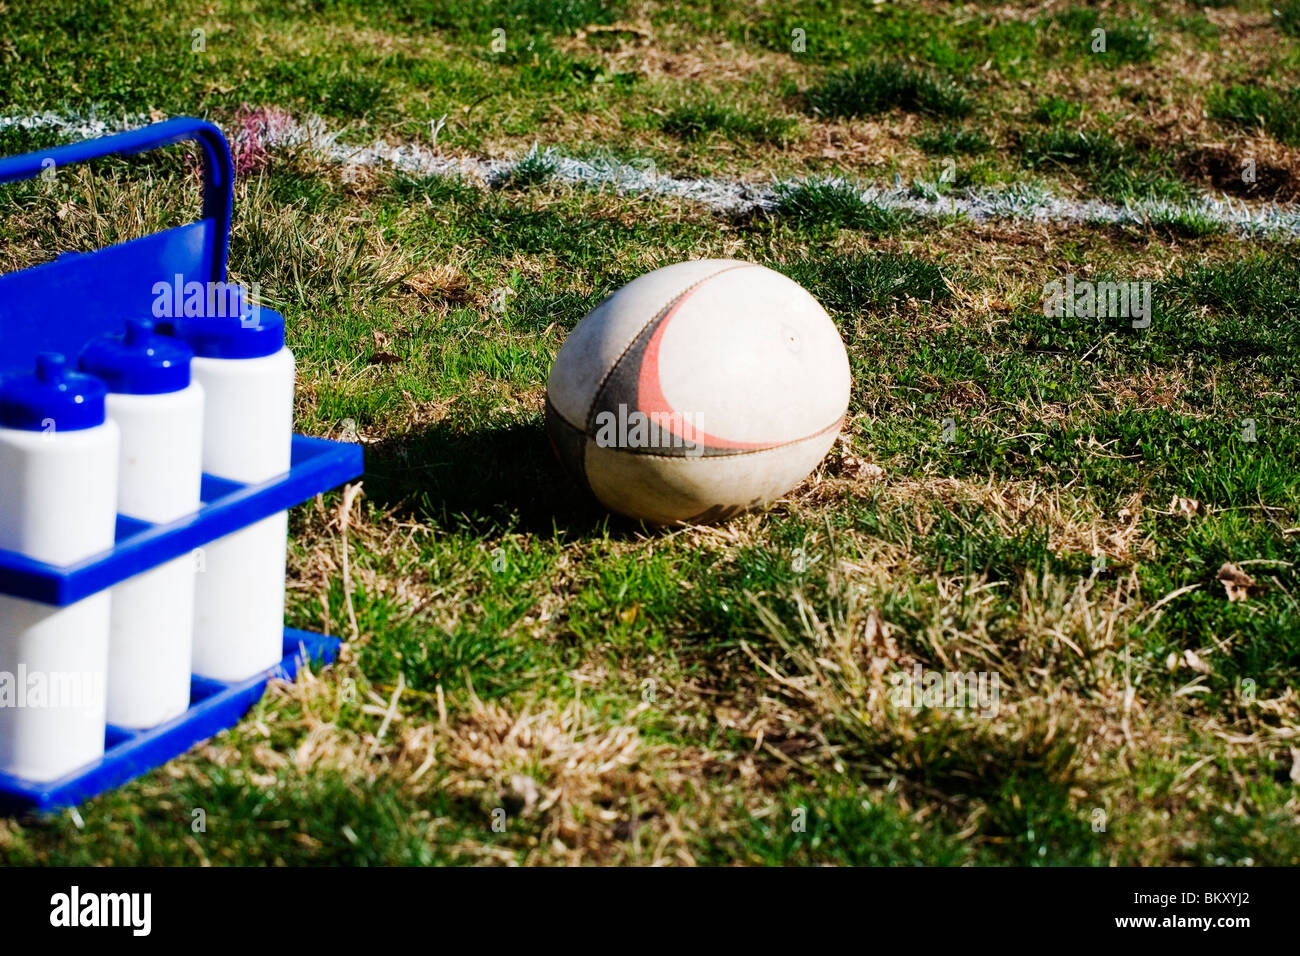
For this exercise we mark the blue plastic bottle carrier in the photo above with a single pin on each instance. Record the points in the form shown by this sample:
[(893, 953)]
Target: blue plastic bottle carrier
[(59, 307)]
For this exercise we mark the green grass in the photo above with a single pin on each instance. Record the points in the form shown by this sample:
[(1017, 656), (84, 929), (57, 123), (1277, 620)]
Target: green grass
[(951, 140), (1185, 223), (629, 695), (1287, 17), (1121, 41), (1114, 169), (1057, 110), (534, 168), (930, 36), (813, 826), (880, 87), (1276, 111), (851, 283), (820, 205), (695, 121), (15, 139)]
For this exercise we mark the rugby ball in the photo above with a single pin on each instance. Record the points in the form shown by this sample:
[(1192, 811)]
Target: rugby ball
[(698, 391)]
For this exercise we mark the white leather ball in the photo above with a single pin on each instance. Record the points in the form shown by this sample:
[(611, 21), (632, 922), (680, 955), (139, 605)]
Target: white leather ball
[(698, 391)]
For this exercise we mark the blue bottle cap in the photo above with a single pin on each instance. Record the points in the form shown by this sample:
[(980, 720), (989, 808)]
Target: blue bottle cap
[(140, 362), (55, 398), (257, 333)]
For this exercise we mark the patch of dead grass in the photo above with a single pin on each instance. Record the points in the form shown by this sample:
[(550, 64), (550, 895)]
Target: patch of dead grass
[(1073, 702), (1073, 523), (592, 790)]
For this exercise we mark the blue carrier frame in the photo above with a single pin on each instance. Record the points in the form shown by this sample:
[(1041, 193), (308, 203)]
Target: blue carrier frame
[(59, 306)]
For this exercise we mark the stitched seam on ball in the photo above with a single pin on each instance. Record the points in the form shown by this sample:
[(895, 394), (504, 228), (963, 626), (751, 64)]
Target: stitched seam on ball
[(740, 454), (600, 389)]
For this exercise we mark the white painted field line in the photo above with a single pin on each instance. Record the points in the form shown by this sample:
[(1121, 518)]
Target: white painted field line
[(1015, 203), (75, 125)]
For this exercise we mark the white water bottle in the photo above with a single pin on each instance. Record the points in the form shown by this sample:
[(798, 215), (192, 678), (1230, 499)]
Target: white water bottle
[(159, 412), (247, 377), (58, 496)]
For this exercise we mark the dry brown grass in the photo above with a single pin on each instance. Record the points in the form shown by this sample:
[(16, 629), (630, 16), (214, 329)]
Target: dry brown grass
[(599, 790), (81, 210), (1072, 702)]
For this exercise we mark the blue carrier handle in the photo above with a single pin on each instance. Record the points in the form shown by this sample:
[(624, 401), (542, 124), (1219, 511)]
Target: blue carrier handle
[(218, 171)]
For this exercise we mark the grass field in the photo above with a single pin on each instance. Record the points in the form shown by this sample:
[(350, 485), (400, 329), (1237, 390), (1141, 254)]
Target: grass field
[(1050, 500)]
